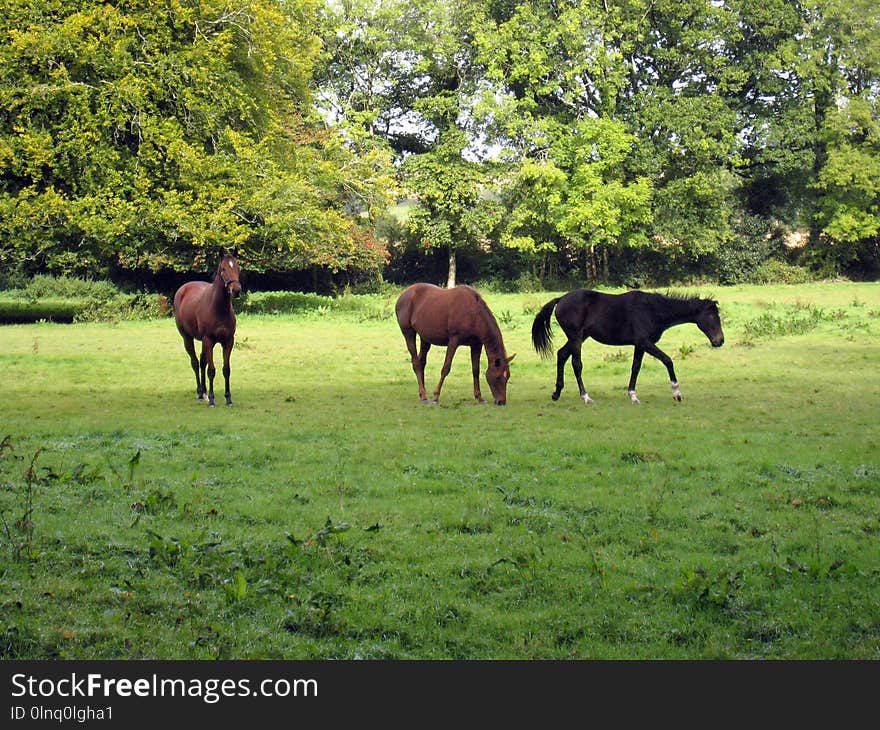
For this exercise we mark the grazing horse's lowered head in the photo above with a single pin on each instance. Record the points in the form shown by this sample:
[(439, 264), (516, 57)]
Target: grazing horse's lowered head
[(497, 375)]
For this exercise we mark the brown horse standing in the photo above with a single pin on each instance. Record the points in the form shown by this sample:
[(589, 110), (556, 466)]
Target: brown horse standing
[(451, 318), (204, 312)]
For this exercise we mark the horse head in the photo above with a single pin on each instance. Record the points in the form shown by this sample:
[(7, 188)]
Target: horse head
[(709, 321), (229, 272), (497, 376)]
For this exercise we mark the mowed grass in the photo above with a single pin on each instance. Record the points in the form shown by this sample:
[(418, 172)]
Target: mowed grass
[(330, 515)]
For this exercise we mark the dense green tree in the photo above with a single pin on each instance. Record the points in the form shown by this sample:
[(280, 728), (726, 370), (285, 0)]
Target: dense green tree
[(839, 76), (453, 210), (639, 86), (406, 73), (849, 184), (138, 136)]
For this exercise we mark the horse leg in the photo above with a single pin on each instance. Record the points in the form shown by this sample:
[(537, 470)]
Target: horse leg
[(194, 361), (203, 366), (423, 361), (561, 358), (418, 361), (476, 351), (208, 368), (447, 366), (652, 349), (577, 366), (227, 352), (638, 354)]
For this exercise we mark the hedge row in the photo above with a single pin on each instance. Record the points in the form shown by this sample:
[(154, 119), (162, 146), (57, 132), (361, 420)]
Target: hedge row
[(284, 302), (19, 311), (16, 308), (66, 303)]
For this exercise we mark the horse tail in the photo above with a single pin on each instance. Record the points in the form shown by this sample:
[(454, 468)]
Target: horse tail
[(542, 337)]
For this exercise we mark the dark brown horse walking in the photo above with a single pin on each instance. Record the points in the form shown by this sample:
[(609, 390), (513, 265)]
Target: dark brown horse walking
[(452, 318), (204, 312), (635, 318)]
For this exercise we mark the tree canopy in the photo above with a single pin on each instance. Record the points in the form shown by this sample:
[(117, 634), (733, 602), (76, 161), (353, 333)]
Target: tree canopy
[(602, 136), (135, 136)]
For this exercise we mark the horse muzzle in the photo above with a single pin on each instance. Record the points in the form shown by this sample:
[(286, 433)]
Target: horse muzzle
[(718, 341), (500, 402)]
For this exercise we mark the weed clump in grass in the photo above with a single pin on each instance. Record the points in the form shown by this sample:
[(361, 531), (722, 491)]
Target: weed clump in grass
[(797, 319)]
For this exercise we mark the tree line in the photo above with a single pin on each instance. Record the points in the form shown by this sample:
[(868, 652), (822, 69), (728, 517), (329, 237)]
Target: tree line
[(616, 140)]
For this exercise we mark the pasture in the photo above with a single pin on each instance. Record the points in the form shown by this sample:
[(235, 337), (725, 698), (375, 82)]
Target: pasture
[(330, 515)]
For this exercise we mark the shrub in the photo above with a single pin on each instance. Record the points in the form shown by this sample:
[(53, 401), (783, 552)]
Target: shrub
[(364, 306), (69, 287), (775, 271), (69, 299), (736, 261), (282, 302), (22, 311), (122, 307)]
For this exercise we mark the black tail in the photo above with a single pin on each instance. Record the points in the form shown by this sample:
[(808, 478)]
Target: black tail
[(542, 338)]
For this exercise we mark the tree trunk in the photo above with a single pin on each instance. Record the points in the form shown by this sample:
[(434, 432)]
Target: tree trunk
[(591, 265), (450, 279)]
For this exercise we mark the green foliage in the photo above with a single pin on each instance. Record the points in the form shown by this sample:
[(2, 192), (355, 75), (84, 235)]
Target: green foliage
[(28, 310), (283, 302), (775, 271), (849, 182), (67, 298), (137, 140), (738, 260), (451, 211), (622, 141), (796, 319), (364, 306)]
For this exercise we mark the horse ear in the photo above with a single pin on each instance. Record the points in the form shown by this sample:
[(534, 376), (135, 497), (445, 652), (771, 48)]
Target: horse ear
[(511, 358)]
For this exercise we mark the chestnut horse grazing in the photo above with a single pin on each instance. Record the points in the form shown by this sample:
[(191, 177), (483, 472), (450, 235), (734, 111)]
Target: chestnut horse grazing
[(204, 312), (451, 318), (635, 318)]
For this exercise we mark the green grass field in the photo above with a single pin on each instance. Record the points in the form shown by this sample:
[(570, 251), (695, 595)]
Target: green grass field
[(330, 515)]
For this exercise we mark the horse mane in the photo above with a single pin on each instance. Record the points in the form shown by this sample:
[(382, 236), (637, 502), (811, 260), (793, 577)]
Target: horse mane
[(690, 298), (493, 334)]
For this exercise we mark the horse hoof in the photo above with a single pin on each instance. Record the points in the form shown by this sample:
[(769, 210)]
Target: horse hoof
[(424, 401), (435, 402), (677, 397), (555, 396), (587, 399), (229, 402)]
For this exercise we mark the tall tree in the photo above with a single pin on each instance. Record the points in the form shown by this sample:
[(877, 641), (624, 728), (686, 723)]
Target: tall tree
[(134, 136), (841, 80), (406, 72)]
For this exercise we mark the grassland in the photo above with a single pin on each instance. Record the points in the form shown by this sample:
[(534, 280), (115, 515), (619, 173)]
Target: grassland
[(329, 515)]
